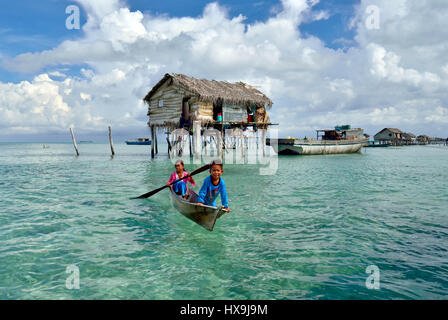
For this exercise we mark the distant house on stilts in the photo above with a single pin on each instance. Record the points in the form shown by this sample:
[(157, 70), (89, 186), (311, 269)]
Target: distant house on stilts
[(409, 138), (391, 136), (423, 139), (179, 101)]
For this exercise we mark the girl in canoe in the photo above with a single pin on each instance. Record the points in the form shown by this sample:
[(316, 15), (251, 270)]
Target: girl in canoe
[(180, 187), (213, 186)]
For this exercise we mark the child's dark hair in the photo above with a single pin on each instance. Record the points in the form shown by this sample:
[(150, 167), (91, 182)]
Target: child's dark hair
[(217, 162), (179, 162)]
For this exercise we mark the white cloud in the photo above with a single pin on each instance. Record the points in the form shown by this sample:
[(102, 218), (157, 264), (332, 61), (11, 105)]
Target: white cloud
[(122, 26), (35, 105), (395, 75), (321, 15), (85, 96), (386, 65), (57, 74)]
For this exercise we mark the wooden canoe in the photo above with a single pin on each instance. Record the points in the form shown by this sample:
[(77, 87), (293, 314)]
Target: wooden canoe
[(205, 216)]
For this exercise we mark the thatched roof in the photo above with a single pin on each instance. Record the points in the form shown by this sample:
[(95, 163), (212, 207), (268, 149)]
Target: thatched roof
[(394, 130), (238, 93)]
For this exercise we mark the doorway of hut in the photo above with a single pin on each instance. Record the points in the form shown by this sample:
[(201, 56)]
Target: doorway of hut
[(185, 116)]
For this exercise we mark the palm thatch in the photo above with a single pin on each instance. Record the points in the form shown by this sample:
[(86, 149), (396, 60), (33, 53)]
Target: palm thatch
[(238, 93), (394, 130)]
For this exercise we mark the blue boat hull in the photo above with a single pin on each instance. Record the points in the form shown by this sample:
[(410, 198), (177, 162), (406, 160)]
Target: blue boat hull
[(137, 143)]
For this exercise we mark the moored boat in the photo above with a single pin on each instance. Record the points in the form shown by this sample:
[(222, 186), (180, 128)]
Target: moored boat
[(205, 216), (341, 140), (139, 142), (372, 144)]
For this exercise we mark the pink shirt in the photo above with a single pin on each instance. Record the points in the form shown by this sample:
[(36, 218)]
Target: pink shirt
[(174, 177)]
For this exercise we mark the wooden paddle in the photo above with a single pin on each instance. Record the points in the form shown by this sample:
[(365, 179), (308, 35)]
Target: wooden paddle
[(153, 192)]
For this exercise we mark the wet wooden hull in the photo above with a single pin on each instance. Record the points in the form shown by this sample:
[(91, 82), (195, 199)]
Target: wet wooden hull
[(205, 216), (310, 147)]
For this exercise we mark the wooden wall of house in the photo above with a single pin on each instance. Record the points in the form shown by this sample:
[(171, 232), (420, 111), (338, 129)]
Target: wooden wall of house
[(384, 135), (172, 105), (387, 135), (233, 112), (200, 110)]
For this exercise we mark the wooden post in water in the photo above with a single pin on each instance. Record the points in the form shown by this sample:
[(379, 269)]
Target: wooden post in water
[(74, 142), (157, 144), (111, 142), (169, 146), (152, 142), (242, 144), (190, 139), (263, 141), (197, 139)]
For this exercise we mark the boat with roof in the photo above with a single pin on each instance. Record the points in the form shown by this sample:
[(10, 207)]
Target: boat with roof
[(340, 140)]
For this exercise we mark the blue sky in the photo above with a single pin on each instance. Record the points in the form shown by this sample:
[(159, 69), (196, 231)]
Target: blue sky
[(395, 75), (34, 26)]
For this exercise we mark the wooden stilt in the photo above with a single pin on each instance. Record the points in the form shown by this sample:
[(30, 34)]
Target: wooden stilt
[(190, 139), (74, 142), (168, 142), (197, 138), (257, 137), (152, 142), (111, 142), (263, 141), (242, 145), (223, 138), (157, 144)]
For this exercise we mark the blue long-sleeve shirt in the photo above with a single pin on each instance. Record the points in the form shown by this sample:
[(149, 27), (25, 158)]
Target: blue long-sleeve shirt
[(208, 193)]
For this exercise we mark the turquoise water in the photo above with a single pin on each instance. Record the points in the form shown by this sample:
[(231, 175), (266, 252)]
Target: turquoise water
[(307, 232)]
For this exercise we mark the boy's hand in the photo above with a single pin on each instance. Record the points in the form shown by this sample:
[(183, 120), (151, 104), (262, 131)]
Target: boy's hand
[(200, 204), (226, 209)]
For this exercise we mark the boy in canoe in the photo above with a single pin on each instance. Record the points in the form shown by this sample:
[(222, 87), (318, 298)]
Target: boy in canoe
[(180, 187), (213, 186)]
